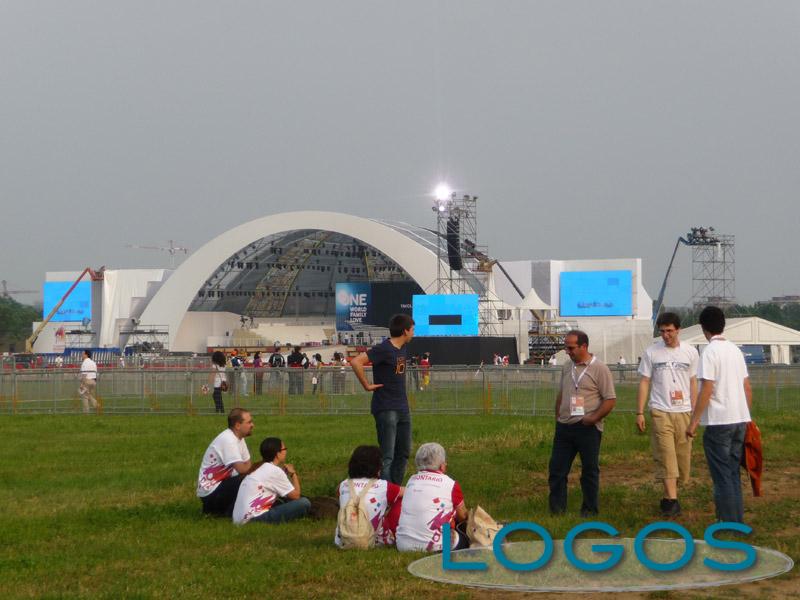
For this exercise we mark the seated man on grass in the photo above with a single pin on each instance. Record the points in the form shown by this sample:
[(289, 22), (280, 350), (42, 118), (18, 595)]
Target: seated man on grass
[(225, 463), (271, 493)]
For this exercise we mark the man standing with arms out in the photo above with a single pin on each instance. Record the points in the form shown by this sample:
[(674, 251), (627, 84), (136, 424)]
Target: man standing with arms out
[(225, 463), (669, 372), (723, 407), (88, 381), (586, 396), (389, 400)]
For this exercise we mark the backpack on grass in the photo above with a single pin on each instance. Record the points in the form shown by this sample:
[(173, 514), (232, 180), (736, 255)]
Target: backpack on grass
[(355, 528)]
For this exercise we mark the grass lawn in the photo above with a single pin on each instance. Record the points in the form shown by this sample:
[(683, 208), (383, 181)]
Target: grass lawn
[(105, 506)]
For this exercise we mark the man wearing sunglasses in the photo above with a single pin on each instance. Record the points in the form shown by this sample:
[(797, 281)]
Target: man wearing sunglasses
[(585, 397)]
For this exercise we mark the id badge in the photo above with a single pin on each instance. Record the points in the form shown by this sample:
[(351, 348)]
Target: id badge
[(676, 398), (576, 406)]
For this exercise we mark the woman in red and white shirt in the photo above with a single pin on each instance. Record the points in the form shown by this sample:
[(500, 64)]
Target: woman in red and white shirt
[(383, 499)]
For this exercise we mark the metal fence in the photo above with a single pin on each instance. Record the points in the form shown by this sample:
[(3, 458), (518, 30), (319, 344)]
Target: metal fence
[(178, 389)]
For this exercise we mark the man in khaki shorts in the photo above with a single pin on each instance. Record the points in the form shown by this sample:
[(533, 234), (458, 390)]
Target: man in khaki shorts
[(669, 371)]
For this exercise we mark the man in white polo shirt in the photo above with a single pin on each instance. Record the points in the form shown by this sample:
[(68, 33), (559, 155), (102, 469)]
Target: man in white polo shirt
[(723, 407), (225, 463), (669, 372), (88, 382)]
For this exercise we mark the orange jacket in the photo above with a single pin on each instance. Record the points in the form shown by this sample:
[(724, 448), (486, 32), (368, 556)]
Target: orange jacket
[(753, 457)]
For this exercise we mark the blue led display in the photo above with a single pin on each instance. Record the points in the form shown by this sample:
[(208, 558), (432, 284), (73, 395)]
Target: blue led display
[(445, 314), (76, 307), (596, 294)]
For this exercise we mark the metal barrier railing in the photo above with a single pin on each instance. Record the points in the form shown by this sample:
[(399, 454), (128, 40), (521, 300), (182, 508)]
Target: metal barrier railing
[(519, 390)]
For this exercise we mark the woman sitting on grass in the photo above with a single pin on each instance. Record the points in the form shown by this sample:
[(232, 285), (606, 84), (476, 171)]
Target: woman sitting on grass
[(432, 499), (271, 493), (365, 465)]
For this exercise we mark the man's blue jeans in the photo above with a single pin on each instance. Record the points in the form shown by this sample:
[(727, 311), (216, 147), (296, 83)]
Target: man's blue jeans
[(569, 441), (394, 438), (287, 511), (723, 446)]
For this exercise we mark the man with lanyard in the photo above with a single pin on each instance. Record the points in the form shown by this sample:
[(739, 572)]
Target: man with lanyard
[(669, 372), (586, 396), (723, 407), (389, 401)]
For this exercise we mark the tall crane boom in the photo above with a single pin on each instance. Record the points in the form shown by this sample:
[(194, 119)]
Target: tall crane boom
[(660, 301)]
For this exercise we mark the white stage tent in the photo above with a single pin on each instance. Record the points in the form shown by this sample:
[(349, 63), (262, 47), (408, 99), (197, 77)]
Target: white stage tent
[(752, 331)]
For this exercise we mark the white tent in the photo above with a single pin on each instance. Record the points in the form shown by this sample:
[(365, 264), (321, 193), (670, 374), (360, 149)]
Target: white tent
[(755, 331), (531, 301)]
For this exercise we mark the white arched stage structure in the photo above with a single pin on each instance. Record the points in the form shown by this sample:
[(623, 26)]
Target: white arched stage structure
[(171, 303)]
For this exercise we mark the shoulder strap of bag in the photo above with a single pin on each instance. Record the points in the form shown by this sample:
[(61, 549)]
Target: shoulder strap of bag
[(363, 493)]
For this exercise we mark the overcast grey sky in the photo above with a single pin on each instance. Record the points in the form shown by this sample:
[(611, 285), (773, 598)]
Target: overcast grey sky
[(587, 129)]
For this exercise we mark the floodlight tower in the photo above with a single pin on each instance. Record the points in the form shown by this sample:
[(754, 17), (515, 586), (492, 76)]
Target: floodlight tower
[(463, 267), (713, 268)]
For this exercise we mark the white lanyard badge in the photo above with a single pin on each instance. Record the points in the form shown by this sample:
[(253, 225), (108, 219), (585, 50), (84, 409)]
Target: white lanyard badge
[(577, 380)]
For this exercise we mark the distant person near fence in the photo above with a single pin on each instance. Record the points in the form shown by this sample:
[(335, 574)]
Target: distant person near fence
[(88, 385)]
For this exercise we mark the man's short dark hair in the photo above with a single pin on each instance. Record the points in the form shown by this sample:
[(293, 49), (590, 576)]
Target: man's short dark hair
[(366, 461), (669, 318), (88, 353), (297, 349), (583, 339), (712, 319), (399, 324), (270, 448), (236, 416)]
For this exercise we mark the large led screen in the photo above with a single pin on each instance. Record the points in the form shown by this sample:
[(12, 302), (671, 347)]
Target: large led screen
[(372, 304), (76, 307), (596, 294), (445, 314), (352, 305)]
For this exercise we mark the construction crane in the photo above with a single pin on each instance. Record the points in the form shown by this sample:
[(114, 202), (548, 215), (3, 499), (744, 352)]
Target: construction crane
[(697, 236), (172, 249), (95, 276), (6, 293)]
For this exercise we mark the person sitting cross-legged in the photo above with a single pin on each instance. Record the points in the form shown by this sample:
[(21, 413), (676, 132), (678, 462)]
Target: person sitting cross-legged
[(382, 501), (431, 500), (225, 463), (271, 493)]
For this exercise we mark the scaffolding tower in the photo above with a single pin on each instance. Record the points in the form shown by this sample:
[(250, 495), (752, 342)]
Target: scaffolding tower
[(463, 266), (713, 268)]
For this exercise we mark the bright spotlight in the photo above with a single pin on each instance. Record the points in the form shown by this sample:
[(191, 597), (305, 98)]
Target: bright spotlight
[(442, 192)]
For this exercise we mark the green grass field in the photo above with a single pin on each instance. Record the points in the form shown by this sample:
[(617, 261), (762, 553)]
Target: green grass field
[(105, 506)]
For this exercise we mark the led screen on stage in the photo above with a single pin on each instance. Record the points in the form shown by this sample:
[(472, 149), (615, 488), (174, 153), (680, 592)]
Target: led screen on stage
[(76, 307), (352, 305), (596, 294), (445, 314), (372, 304)]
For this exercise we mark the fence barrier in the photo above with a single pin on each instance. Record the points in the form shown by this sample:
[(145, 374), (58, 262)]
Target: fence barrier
[(167, 388)]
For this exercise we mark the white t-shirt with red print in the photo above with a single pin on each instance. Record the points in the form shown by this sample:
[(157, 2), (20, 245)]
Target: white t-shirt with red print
[(430, 501), (377, 502), (259, 491), (224, 451)]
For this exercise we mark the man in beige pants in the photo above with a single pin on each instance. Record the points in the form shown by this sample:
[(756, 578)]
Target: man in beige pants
[(669, 372), (88, 382)]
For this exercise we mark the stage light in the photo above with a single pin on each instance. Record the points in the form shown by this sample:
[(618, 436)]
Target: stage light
[(442, 192)]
